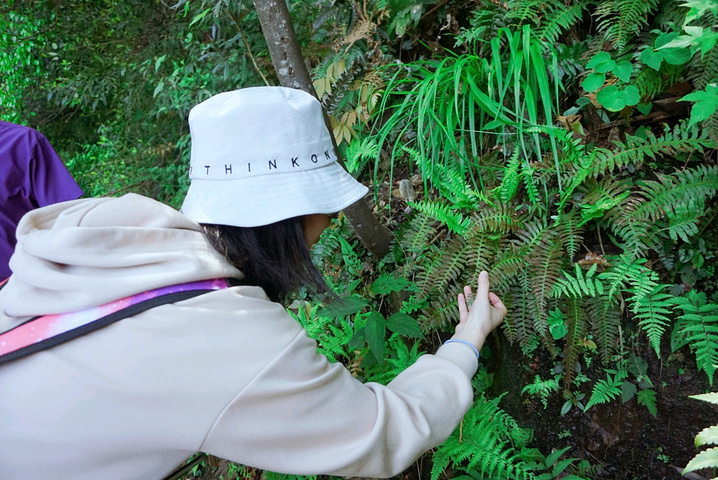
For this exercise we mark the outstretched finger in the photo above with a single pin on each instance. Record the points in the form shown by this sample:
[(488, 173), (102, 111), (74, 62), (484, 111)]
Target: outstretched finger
[(482, 291)]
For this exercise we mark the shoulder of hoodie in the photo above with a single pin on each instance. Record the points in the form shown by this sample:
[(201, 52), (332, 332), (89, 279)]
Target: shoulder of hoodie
[(240, 304)]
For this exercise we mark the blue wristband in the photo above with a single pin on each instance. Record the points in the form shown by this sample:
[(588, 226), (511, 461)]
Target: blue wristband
[(476, 351)]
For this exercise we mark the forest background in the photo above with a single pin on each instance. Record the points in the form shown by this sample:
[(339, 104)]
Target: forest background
[(566, 146)]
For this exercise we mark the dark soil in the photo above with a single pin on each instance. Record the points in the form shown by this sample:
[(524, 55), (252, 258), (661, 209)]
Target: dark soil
[(622, 440)]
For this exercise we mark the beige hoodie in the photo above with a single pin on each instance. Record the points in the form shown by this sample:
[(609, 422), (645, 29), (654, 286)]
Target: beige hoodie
[(228, 372)]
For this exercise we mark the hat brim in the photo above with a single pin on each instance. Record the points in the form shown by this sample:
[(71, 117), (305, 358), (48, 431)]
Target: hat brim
[(251, 202)]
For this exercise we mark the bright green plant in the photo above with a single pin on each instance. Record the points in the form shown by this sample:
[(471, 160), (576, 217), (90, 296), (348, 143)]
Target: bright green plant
[(697, 327), (542, 389), (709, 436), (465, 105), (485, 444)]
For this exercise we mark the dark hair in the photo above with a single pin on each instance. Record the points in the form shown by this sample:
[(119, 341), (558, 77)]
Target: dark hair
[(275, 257)]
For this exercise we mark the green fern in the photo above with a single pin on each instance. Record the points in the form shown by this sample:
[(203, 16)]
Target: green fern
[(653, 312), (511, 180), (558, 18), (332, 338), (698, 328), (682, 139), (482, 444), (415, 236), (577, 332), (707, 458), (604, 316), (519, 325), (444, 213), (620, 20), (680, 197), (605, 391), (400, 358), (580, 285), (444, 269)]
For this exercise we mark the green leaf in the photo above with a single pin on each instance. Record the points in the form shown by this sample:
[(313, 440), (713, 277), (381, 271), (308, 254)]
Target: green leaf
[(647, 398), (343, 306), (664, 39), (706, 397), (705, 459), (677, 56), (601, 62), (557, 324), (387, 284), (628, 391), (652, 58), (593, 82), (706, 103), (698, 8), (630, 95), (404, 324), (553, 457), (611, 98), (375, 332), (623, 70), (561, 466), (644, 108), (707, 436)]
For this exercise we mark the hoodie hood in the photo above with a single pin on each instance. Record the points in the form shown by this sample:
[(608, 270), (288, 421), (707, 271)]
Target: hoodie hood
[(83, 253)]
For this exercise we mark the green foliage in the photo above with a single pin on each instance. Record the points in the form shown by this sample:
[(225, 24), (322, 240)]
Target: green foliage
[(619, 20), (698, 328), (590, 238), (709, 436), (459, 105), (542, 389), (483, 444)]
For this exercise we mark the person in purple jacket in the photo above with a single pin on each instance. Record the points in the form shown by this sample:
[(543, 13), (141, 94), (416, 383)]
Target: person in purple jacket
[(31, 176)]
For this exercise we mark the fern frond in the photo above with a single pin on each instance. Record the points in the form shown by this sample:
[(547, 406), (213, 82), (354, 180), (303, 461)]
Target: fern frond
[(498, 217), (605, 391), (480, 253), (623, 268), (698, 328), (511, 180), (577, 331), (400, 358), (580, 285), (628, 223), (444, 269), (653, 312), (415, 237), (503, 272), (558, 19), (681, 139), (519, 325), (670, 194), (444, 213), (482, 444), (332, 338), (605, 319), (620, 20), (569, 229)]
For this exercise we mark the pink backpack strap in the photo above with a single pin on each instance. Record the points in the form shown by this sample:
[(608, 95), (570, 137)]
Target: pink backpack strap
[(44, 332)]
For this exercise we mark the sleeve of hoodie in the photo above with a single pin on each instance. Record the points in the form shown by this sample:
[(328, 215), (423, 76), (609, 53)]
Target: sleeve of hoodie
[(304, 415)]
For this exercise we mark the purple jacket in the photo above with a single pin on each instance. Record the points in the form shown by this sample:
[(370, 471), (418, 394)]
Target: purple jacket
[(31, 176)]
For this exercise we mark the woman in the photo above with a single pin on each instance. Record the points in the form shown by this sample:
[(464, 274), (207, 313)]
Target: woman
[(228, 372)]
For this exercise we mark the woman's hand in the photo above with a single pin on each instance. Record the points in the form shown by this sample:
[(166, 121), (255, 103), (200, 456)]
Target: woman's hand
[(478, 320)]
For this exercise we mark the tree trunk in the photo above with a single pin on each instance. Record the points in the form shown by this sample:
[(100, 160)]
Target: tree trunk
[(293, 73)]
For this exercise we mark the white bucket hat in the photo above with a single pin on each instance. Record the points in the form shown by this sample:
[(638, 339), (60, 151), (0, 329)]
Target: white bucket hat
[(261, 155)]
